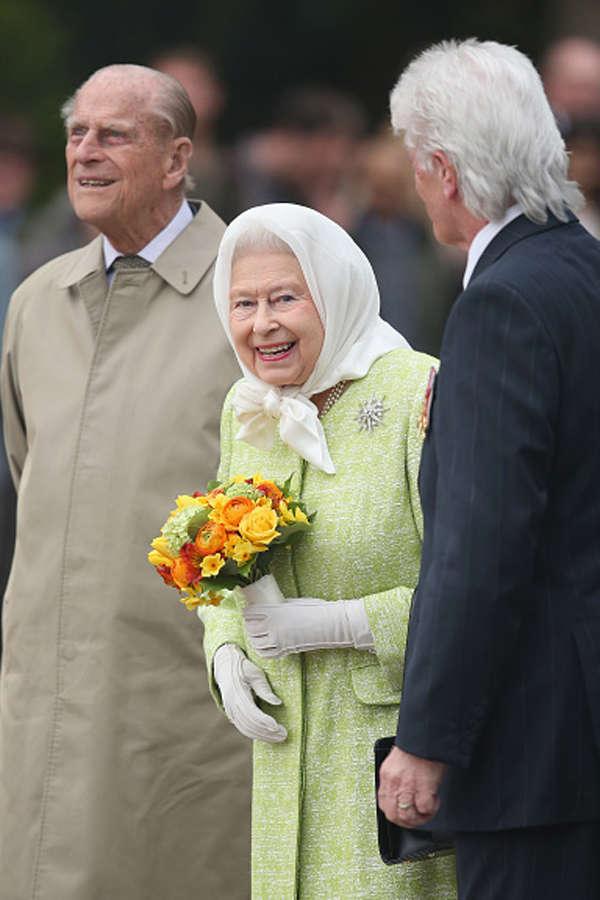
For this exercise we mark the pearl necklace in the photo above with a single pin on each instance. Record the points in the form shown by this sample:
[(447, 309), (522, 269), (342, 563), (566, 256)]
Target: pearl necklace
[(334, 394)]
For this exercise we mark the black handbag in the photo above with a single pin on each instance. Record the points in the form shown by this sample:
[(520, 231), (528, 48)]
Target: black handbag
[(397, 844)]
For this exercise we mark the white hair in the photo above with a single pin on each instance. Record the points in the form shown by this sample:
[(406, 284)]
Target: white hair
[(169, 107), (258, 239), (483, 105)]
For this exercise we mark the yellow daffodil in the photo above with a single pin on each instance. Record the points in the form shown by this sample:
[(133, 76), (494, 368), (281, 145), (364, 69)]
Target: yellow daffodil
[(160, 555), (257, 479), (191, 601), (244, 550), (232, 541), (300, 516), (183, 500), (217, 502), (285, 514), (212, 564)]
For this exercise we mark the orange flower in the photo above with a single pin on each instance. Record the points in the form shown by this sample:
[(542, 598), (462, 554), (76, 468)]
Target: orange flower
[(210, 538), (270, 489), (165, 573), (234, 511), (186, 569)]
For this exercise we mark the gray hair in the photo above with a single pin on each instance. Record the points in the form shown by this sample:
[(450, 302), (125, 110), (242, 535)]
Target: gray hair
[(168, 105), (258, 239), (483, 105)]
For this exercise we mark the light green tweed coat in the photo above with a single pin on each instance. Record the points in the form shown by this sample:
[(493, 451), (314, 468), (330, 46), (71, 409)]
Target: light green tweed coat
[(314, 820)]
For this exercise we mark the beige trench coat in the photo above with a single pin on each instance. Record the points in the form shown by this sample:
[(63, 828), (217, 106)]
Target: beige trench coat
[(119, 779)]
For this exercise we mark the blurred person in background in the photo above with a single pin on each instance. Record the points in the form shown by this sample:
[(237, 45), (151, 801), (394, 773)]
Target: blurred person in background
[(210, 165), (17, 178), (582, 139), (307, 155), (570, 71), (118, 778), (418, 280), (53, 229)]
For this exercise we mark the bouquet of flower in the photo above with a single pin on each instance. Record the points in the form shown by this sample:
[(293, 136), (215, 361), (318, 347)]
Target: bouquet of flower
[(224, 539)]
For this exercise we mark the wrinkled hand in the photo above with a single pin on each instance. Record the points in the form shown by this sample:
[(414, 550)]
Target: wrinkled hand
[(408, 788), (238, 680), (306, 624)]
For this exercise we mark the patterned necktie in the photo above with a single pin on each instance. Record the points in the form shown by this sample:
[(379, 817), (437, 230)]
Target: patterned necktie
[(130, 262)]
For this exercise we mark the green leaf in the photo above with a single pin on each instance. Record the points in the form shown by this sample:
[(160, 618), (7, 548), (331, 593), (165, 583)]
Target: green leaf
[(287, 486), (294, 528), (221, 582), (200, 519)]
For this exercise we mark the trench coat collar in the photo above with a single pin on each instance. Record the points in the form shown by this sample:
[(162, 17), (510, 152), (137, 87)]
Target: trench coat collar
[(515, 231), (182, 265)]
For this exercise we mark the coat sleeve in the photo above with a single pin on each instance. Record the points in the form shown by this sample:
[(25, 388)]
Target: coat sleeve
[(388, 611), (222, 625), (15, 436), (492, 429)]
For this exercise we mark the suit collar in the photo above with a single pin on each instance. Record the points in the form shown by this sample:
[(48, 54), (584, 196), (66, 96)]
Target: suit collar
[(515, 231)]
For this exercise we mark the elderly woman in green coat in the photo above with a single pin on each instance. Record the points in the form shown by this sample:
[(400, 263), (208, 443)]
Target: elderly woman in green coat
[(333, 396)]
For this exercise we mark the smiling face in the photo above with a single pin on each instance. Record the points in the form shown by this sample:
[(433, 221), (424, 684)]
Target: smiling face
[(120, 174), (275, 326)]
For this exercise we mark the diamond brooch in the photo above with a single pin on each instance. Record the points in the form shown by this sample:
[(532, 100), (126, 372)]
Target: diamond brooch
[(370, 414)]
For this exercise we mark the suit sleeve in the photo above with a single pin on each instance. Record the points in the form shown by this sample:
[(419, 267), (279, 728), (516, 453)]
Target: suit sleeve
[(492, 434), (388, 611)]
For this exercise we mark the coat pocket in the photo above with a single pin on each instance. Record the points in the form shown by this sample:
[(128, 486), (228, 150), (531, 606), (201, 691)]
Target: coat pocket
[(371, 686), (587, 638)]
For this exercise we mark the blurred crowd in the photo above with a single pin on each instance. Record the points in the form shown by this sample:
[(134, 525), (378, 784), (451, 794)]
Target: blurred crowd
[(316, 150)]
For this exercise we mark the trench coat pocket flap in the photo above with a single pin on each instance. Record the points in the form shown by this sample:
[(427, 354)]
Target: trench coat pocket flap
[(371, 686), (587, 638)]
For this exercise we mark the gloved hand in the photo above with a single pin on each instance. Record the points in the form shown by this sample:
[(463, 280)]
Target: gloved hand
[(237, 679), (307, 624)]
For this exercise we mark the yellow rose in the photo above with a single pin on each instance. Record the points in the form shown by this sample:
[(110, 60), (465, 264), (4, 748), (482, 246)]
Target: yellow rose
[(260, 525)]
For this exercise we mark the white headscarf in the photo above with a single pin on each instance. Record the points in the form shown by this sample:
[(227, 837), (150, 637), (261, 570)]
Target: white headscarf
[(343, 287)]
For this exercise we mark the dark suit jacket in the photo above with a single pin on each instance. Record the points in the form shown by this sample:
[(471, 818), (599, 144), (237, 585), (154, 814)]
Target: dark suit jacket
[(502, 678)]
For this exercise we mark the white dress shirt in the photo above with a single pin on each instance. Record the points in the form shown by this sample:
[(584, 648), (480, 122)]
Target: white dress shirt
[(160, 242), (484, 237)]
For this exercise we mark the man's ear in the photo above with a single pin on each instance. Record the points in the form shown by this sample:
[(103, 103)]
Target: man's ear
[(179, 156), (447, 174)]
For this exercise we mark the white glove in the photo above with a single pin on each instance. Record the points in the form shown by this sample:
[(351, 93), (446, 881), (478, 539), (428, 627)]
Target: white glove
[(237, 678), (307, 624)]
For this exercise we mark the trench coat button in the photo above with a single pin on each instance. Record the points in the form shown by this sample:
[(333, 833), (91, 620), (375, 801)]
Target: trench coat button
[(68, 651)]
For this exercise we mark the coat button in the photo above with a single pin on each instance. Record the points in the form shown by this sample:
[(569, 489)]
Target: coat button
[(69, 651)]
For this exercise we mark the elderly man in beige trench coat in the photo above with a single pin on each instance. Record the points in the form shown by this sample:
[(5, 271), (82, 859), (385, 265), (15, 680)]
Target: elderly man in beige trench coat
[(119, 779)]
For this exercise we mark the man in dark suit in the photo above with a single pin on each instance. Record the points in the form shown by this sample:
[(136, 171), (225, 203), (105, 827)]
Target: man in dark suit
[(499, 728)]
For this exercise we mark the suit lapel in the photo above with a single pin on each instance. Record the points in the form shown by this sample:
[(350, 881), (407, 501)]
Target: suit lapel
[(515, 231)]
